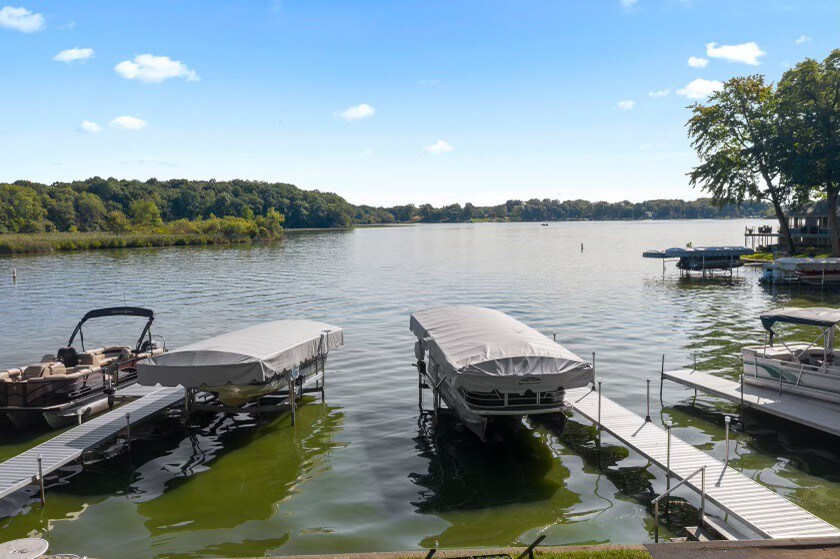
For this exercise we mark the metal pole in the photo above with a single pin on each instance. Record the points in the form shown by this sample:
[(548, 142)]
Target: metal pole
[(292, 400), (702, 494), (79, 416), (656, 522), (323, 384), (599, 404), (128, 429), (647, 417), (742, 393), (668, 458), (695, 360), (41, 480), (726, 420), (419, 388), (661, 377)]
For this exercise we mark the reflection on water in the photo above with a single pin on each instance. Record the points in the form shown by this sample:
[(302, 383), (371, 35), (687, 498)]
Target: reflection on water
[(360, 473)]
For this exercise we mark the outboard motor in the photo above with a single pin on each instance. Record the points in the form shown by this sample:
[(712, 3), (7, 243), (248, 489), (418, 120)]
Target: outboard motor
[(68, 356)]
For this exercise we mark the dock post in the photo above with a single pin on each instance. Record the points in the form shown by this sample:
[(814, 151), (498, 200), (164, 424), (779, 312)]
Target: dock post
[(128, 430), (742, 396), (599, 405), (695, 360), (726, 420), (419, 388), (187, 404), (702, 495), (323, 385), (292, 401), (661, 377), (647, 417), (79, 416), (668, 425), (41, 480)]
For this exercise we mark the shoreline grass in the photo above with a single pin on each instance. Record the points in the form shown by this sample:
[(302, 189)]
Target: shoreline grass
[(42, 243)]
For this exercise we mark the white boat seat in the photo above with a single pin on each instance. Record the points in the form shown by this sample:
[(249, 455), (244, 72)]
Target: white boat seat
[(90, 359), (43, 370)]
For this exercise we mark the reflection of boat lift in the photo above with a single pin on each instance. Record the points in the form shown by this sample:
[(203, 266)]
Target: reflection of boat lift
[(705, 260)]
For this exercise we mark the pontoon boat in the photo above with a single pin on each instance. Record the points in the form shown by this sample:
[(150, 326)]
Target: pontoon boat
[(485, 364), (247, 364), (60, 385), (809, 369)]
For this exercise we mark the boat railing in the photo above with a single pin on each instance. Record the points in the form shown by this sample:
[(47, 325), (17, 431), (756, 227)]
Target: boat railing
[(702, 471), (497, 399)]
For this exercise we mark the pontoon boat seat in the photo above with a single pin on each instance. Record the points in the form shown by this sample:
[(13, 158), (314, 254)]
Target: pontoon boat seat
[(11, 375), (90, 359), (42, 370)]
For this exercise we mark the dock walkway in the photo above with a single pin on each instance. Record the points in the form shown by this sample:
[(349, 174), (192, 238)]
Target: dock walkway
[(760, 509), (817, 414), (18, 472)]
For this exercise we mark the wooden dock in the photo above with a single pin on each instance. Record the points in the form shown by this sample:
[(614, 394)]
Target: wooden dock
[(817, 414), (758, 508), (18, 472)]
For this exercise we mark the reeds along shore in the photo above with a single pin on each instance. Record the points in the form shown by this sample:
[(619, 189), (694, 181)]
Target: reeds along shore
[(226, 230)]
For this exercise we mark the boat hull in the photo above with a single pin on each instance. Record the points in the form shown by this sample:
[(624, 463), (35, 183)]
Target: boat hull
[(822, 383)]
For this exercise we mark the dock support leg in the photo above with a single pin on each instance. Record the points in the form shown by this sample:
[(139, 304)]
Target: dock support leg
[(128, 430), (647, 417), (742, 398), (292, 399), (323, 385), (419, 387), (41, 480), (187, 395), (661, 378)]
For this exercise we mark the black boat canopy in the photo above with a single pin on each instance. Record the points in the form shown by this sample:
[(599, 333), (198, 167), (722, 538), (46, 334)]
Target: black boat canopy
[(814, 316), (115, 311)]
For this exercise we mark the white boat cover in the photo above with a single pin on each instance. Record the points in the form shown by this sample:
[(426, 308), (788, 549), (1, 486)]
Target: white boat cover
[(698, 252), (484, 348), (251, 355), (794, 264)]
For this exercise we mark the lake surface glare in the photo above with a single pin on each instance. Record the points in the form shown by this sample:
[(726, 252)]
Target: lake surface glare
[(364, 471)]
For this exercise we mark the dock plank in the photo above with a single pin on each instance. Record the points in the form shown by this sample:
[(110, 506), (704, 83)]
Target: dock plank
[(726, 488), (817, 414), (19, 471)]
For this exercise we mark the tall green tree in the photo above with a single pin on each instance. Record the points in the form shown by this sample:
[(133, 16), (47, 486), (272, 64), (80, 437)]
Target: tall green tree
[(809, 107), (736, 135)]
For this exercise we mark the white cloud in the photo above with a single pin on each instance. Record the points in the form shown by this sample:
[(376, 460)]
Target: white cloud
[(803, 39), (660, 93), (697, 62), (70, 55), (748, 53), (357, 112), (154, 69), (20, 19), (439, 147), (626, 105), (366, 153), (128, 123), (700, 88), (89, 127), (627, 4)]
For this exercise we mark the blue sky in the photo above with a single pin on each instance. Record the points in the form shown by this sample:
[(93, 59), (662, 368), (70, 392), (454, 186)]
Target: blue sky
[(384, 102)]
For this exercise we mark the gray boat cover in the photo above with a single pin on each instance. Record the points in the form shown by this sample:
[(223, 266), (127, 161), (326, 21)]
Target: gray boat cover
[(797, 264), (484, 348), (814, 316), (251, 355), (698, 252)]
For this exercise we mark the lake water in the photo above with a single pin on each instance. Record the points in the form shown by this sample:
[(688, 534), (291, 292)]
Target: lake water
[(365, 472)]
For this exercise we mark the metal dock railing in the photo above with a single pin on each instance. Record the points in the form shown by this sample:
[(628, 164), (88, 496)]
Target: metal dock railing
[(31, 466), (814, 413), (755, 506)]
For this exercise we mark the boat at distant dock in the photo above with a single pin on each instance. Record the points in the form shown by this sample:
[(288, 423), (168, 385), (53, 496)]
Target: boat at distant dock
[(809, 369), (791, 270), (72, 382)]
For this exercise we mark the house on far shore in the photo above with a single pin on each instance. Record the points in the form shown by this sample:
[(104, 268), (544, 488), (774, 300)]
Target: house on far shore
[(808, 227)]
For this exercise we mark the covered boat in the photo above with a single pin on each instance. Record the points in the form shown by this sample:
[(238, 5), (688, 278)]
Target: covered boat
[(700, 259), (809, 369), (802, 271), (247, 364), (484, 363)]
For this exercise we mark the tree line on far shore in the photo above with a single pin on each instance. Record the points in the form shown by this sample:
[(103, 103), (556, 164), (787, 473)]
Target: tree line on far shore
[(778, 143), (125, 206)]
